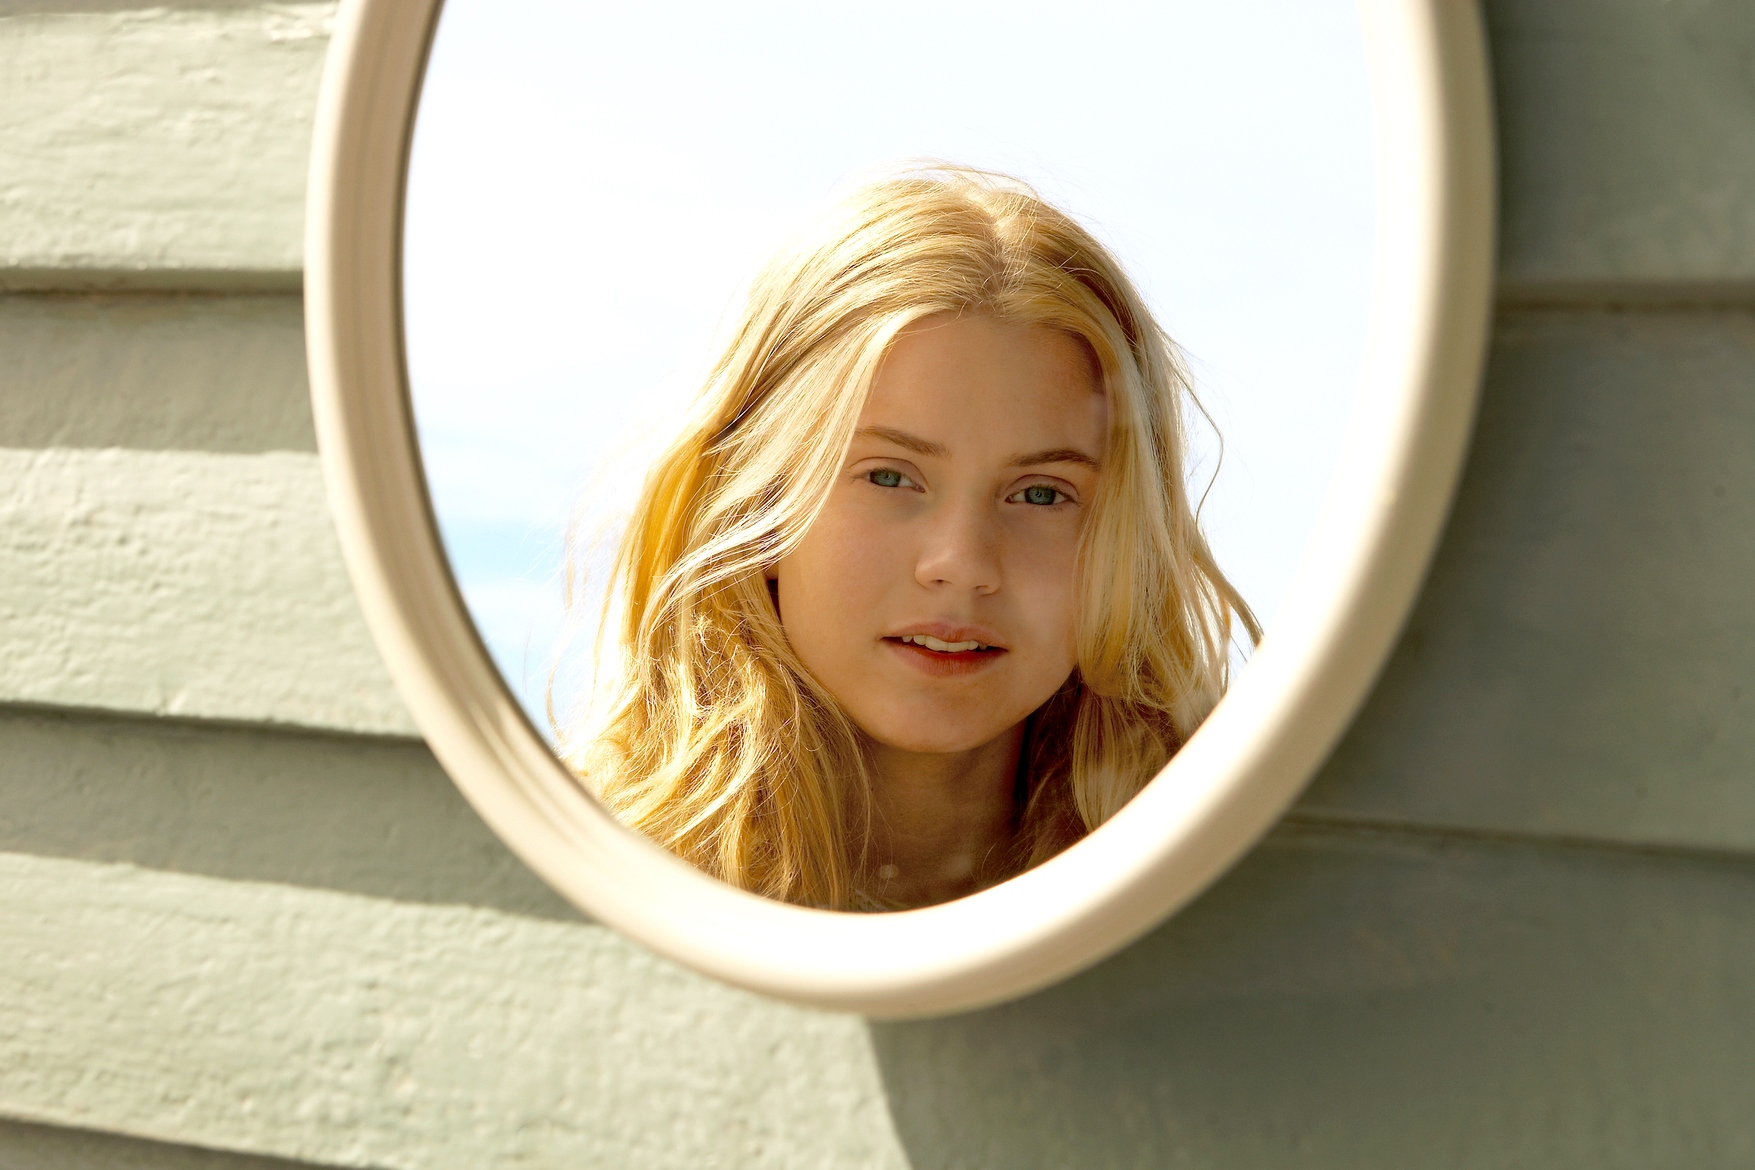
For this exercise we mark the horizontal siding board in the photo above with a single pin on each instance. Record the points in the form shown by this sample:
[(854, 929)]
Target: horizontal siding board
[(1582, 660), (156, 146), (1627, 145), (195, 373), (48, 1147), (1341, 999), (375, 817), (335, 1028), (182, 583)]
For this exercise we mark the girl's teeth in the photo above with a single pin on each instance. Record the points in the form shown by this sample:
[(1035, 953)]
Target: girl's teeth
[(932, 643)]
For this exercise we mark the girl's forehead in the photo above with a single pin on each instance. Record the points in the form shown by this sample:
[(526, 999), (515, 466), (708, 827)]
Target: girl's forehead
[(969, 382), (963, 359)]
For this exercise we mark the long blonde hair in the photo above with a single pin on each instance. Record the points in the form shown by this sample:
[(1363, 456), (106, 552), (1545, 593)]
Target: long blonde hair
[(714, 740)]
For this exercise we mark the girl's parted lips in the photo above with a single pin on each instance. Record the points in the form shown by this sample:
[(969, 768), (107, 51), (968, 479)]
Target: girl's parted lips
[(932, 643), (947, 638)]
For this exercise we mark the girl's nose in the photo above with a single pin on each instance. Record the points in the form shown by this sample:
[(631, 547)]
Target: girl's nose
[(961, 551)]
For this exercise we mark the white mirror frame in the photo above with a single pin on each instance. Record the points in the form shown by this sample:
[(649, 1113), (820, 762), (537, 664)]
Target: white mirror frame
[(1216, 798)]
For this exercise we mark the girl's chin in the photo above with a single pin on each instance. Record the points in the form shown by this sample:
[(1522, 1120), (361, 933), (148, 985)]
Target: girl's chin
[(926, 737)]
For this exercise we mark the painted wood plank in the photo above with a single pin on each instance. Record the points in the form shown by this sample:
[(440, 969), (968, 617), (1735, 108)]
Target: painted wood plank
[(1582, 659), (1627, 148), (193, 373), (156, 146), (368, 816), (347, 1030), (167, 546), (48, 1147), (182, 583)]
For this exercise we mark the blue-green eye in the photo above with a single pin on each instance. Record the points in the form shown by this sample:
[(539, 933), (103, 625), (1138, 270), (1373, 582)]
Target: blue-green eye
[(886, 477), (1038, 493)]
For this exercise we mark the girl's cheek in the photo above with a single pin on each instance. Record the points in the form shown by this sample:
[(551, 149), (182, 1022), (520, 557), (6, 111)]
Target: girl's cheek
[(872, 532), (1049, 550)]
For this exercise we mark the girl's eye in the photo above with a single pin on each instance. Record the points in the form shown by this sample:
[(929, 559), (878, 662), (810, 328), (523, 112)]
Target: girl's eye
[(1039, 494), (889, 477)]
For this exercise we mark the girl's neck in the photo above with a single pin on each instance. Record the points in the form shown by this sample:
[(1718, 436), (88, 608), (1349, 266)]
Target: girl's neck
[(942, 823)]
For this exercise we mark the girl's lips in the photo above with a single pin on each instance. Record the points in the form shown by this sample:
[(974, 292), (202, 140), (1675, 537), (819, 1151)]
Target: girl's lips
[(942, 664), (951, 632)]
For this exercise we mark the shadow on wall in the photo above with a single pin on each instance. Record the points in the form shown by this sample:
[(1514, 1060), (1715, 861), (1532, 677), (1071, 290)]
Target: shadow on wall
[(1369, 999)]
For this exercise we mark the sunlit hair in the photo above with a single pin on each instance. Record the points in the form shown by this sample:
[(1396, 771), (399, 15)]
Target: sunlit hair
[(714, 741)]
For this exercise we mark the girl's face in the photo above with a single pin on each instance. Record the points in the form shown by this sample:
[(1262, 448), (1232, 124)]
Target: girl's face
[(935, 595)]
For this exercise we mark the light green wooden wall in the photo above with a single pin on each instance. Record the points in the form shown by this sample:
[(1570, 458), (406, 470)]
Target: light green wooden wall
[(244, 920)]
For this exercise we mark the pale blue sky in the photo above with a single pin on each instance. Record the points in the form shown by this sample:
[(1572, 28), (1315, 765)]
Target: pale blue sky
[(592, 184)]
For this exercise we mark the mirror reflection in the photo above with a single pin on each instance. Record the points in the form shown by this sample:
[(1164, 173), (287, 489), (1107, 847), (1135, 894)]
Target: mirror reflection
[(823, 411)]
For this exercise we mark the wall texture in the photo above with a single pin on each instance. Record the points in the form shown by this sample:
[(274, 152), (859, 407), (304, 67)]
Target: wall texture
[(245, 922)]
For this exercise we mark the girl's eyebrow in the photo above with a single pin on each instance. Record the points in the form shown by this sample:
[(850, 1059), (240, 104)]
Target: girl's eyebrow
[(1056, 455), (904, 440), (927, 447)]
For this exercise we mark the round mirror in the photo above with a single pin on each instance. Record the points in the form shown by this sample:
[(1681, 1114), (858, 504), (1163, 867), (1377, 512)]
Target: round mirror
[(883, 507)]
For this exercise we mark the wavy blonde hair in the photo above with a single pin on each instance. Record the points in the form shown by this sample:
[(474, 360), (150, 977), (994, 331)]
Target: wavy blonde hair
[(715, 741)]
